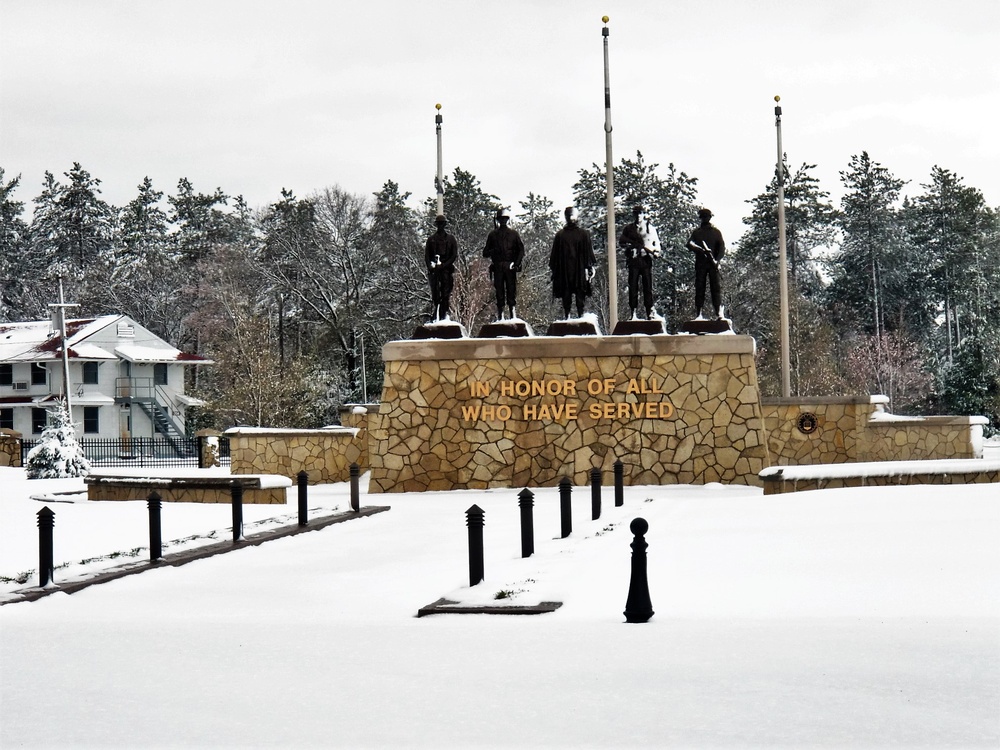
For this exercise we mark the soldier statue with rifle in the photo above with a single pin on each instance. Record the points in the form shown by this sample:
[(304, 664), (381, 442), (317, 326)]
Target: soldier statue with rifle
[(708, 247)]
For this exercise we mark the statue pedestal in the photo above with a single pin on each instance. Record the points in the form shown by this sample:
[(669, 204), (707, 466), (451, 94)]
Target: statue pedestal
[(440, 329), (525, 412), (645, 327), (702, 326), (578, 327), (499, 329)]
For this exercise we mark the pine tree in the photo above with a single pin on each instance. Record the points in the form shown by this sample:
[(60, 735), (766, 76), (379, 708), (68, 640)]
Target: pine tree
[(868, 272), (57, 454), (955, 271), (753, 280), (201, 222), (142, 277), (13, 247)]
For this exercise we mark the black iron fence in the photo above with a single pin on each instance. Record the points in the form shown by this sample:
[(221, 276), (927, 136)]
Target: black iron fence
[(141, 452)]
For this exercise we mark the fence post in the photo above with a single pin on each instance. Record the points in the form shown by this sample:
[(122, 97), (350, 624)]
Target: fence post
[(355, 490), (595, 494), (475, 521), (236, 492), (155, 530), (565, 507), (638, 607), (526, 501), (303, 477), (200, 447), (619, 483), (46, 520)]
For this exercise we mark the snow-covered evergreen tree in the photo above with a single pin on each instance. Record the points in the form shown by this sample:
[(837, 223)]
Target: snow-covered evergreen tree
[(58, 454)]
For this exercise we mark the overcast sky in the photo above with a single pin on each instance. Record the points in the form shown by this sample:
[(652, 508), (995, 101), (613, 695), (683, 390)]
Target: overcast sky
[(254, 96)]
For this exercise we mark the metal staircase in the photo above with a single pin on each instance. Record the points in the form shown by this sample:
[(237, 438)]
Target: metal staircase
[(165, 426), (150, 399)]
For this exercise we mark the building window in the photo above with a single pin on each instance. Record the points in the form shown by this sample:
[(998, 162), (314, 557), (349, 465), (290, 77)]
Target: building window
[(92, 419), (90, 373), (39, 418), (7, 374), (39, 374), (6, 419), (160, 373)]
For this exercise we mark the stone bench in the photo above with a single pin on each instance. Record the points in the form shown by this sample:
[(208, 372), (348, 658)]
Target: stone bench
[(195, 486), (781, 479)]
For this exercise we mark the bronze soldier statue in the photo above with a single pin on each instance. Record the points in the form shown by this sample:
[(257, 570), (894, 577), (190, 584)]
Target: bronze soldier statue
[(572, 264), (640, 244), (506, 253), (708, 247), (440, 255)]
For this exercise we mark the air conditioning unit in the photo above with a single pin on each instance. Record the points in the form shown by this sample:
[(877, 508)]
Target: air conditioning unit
[(22, 386)]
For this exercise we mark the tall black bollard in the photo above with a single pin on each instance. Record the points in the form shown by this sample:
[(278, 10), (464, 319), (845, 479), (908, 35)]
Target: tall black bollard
[(619, 483), (303, 477), (154, 504), (46, 520), (355, 490), (474, 517), (595, 494), (566, 506), (236, 492), (526, 500), (638, 607)]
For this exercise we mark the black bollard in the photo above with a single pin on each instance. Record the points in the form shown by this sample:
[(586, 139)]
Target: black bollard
[(303, 478), (46, 520), (565, 506), (595, 494), (526, 500), (154, 504), (619, 483), (638, 607), (474, 518), (236, 492), (355, 491)]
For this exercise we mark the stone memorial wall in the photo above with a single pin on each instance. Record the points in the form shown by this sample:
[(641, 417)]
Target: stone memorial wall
[(480, 413)]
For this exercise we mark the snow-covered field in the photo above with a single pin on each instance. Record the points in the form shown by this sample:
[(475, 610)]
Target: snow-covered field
[(840, 618)]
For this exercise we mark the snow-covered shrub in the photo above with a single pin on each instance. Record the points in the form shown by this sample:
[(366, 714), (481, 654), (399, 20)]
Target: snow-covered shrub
[(58, 454)]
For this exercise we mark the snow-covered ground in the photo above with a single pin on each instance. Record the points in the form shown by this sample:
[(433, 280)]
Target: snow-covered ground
[(840, 618)]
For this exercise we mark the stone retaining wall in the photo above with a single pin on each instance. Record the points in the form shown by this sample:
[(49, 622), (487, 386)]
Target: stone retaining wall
[(780, 480), (889, 438), (818, 430), (10, 447), (168, 494), (805, 431), (326, 454), (479, 413)]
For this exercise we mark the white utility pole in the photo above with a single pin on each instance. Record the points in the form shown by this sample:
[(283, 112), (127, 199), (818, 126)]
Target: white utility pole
[(62, 305)]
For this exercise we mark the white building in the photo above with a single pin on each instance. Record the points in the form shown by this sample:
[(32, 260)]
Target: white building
[(125, 382)]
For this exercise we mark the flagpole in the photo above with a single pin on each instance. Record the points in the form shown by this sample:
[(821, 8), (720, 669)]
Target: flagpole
[(786, 388), (439, 182), (608, 162)]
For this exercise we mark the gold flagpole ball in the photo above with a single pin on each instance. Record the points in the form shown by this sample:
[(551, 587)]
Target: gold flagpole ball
[(605, 19)]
